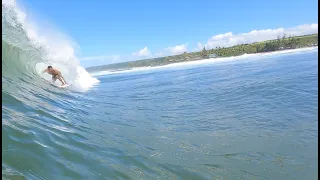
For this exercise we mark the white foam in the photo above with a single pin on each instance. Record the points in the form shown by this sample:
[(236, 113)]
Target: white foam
[(207, 61), (59, 49)]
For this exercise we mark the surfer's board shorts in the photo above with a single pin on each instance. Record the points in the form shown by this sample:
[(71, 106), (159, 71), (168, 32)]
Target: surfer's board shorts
[(56, 76)]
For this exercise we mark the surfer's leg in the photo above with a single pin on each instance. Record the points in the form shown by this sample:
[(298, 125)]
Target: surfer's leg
[(60, 79), (63, 79), (54, 79)]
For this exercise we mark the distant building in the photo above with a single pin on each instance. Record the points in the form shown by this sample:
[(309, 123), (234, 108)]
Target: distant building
[(212, 55)]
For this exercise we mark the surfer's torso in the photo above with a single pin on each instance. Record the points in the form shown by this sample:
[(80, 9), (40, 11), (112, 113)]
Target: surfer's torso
[(54, 72)]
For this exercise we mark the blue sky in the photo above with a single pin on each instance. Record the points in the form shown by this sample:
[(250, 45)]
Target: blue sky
[(120, 30)]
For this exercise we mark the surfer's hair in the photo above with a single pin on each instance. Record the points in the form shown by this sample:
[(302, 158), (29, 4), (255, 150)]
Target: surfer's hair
[(49, 67)]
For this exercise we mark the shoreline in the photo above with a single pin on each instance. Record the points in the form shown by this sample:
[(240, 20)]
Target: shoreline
[(281, 44), (201, 61)]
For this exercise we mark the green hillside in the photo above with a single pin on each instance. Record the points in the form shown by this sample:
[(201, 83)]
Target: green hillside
[(281, 43)]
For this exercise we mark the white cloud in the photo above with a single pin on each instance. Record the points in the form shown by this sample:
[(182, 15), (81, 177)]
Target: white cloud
[(220, 40), (177, 49), (101, 58), (143, 52), (200, 46), (229, 39), (159, 54)]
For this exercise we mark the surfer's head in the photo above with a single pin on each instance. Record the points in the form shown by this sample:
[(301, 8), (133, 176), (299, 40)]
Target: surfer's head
[(50, 68)]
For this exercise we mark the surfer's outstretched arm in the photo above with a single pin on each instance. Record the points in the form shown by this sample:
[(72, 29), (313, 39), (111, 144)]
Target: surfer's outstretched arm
[(44, 71)]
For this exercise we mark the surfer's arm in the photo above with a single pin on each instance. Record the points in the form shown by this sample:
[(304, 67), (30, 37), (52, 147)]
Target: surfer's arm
[(44, 71)]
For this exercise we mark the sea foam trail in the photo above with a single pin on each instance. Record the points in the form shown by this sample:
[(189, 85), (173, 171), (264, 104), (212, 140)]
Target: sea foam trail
[(207, 61), (44, 47)]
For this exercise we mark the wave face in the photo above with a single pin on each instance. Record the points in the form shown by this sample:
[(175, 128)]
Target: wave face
[(26, 51)]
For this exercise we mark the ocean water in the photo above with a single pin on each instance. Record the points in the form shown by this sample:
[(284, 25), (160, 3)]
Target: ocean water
[(249, 117), (255, 118)]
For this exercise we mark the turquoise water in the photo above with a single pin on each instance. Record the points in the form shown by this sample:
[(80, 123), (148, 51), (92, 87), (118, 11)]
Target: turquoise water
[(252, 118)]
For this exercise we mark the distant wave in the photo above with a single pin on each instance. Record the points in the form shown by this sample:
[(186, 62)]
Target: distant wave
[(206, 61), (28, 49)]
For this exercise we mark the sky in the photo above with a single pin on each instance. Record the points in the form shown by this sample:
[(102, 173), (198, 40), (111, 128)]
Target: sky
[(110, 31)]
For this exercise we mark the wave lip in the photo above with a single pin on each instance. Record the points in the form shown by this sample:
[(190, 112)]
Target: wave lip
[(40, 47)]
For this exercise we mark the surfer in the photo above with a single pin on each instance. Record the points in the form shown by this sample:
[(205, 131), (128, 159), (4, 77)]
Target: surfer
[(56, 74)]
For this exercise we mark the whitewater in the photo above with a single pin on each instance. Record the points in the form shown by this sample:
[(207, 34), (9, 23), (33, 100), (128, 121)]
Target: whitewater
[(249, 117), (31, 49)]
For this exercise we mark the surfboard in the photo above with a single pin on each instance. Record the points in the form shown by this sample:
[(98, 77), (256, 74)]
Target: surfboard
[(64, 86), (53, 84)]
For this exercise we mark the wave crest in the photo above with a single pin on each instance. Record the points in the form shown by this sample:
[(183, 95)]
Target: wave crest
[(29, 48)]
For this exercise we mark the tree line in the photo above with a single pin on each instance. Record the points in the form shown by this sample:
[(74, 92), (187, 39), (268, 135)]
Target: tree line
[(281, 43)]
